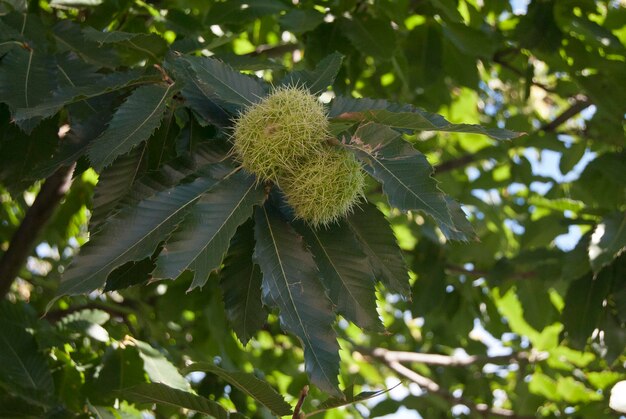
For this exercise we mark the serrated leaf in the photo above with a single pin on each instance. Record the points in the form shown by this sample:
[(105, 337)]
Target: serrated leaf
[(132, 47), (320, 78), (162, 394), (197, 96), (404, 172), (373, 37), (159, 368), (405, 117), (241, 285), (258, 389), (608, 240), (134, 121), (69, 37), (290, 283), (217, 79), (75, 92), (114, 182), (24, 368), (26, 79), (374, 234), (464, 230), (345, 272), (200, 241), (133, 234)]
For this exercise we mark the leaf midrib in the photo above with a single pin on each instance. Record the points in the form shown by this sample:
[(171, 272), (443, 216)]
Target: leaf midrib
[(269, 227)]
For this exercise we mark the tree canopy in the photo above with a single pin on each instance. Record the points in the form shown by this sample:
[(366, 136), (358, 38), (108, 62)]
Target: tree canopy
[(144, 271)]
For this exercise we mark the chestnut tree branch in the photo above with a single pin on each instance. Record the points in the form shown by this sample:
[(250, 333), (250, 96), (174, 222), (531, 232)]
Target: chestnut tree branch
[(50, 195)]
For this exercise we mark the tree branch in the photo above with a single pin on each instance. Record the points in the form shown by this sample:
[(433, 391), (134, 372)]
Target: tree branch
[(581, 103), (52, 191), (273, 50), (452, 360), (393, 359), (296, 411)]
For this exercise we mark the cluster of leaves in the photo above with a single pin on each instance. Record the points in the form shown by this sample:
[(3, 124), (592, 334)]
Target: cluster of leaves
[(125, 89)]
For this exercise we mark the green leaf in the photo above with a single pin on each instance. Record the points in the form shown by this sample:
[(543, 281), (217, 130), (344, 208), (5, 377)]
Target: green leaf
[(406, 117), (290, 283), (373, 37), (200, 241), (134, 122), (299, 21), (241, 285), (198, 98), (470, 41), (405, 173), (114, 183), (122, 367), (345, 272), (219, 80), (159, 368), (259, 390), (24, 368), (608, 240), (583, 306), (162, 394), (76, 92), (70, 37), (374, 234), (26, 79), (318, 80), (132, 47), (131, 235)]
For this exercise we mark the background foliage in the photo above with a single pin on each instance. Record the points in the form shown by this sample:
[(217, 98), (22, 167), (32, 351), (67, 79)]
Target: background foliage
[(529, 319)]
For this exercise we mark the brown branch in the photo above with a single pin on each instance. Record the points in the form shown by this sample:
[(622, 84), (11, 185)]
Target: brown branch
[(296, 411), (581, 103), (52, 191), (428, 384), (432, 387), (451, 360)]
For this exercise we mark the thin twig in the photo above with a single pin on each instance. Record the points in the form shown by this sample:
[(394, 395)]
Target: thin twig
[(475, 272), (303, 393), (273, 50), (50, 195), (431, 386), (581, 103), (451, 360)]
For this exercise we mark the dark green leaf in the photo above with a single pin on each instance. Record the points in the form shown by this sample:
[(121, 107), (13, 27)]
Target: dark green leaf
[(290, 283), (134, 122), (298, 21), (241, 285), (24, 368), (219, 80), (132, 235), (608, 240), (165, 395), (345, 272), (405, 173), (75, 92), (259, 390), (583, 306), (200, 241), (317, 80), (114, 183), (26, 79), (379, 244)]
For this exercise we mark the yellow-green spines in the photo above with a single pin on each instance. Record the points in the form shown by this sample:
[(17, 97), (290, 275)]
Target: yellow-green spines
[(325, 188), (286, 127)]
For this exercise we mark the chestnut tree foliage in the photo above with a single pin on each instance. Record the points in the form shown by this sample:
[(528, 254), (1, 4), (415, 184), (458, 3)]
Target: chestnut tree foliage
[(143, 271)]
